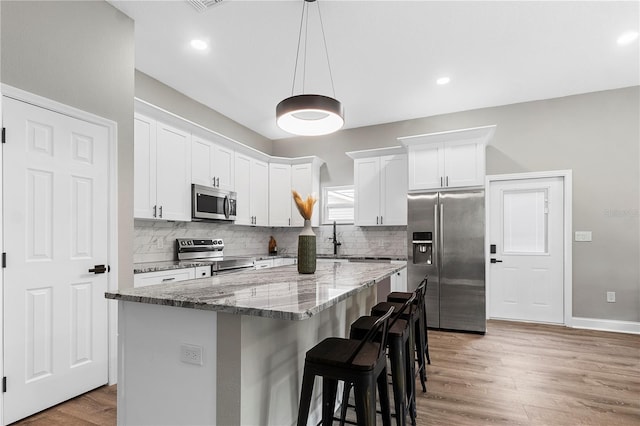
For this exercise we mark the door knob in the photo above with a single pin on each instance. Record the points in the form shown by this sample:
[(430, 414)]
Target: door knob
[(496, 261), (99, 269)]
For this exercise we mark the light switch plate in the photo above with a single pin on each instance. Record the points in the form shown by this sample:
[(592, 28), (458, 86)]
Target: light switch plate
[(583, 236)]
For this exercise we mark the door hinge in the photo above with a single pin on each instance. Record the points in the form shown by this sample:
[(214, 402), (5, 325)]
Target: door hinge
[(4, 260), (4, 384), (4, 135)]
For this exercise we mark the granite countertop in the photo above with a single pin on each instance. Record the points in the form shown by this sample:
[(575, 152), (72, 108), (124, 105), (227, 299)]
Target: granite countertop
[(279, 293), (166, 265)]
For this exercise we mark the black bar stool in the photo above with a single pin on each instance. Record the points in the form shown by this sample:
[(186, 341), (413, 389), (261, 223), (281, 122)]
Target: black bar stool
[(401, 296), (401, 357), (360, 362), (415, 319)]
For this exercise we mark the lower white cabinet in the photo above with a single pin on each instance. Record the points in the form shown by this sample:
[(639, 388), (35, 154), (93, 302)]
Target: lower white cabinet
[(163, 277), (399, 279), (272, 263)]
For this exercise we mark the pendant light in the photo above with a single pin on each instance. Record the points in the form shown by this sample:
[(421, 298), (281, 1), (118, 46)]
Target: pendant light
[(308, 114)]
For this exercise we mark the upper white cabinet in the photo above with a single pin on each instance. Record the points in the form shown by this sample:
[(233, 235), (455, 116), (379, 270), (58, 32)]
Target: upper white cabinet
[(299, 174), (380, 183), (279, 194), (162, 170), (447, 159), (252, 188), (212, 164)]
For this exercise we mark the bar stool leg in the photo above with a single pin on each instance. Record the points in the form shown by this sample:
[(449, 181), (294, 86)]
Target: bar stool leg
[(397, 360), (329, 390), (345, 402), (365, 399), (426, 334), (305, 397), (383, 391), (419, 340), (411, 377)]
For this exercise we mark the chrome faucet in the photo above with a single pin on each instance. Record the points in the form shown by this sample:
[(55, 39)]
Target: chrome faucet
[(335, 240)]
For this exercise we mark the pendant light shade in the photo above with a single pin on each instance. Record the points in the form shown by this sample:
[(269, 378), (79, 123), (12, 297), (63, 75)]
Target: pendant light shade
[(309, 114)]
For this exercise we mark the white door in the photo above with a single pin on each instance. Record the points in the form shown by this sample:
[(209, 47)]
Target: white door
[(526, 226), (55, 174)]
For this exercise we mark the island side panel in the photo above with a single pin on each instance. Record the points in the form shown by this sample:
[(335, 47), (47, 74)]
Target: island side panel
[(154, 386), (272, 358), (229, 361)]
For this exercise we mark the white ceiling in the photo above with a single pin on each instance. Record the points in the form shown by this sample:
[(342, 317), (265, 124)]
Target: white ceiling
[(385, 56)]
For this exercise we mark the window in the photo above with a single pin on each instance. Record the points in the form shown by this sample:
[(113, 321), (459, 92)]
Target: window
[(337, 204)]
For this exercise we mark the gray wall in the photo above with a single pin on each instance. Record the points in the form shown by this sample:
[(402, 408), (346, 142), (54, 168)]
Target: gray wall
[(80, 54), (163, 96), (596, 135)]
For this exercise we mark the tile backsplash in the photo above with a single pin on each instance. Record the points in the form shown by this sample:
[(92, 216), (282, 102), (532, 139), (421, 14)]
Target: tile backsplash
[(155, 240)]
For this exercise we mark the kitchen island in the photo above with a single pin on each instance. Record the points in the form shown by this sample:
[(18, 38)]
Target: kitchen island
[(229, 349)]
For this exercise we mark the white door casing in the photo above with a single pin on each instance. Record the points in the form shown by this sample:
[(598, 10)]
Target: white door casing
[(56, 228), (526, 224)]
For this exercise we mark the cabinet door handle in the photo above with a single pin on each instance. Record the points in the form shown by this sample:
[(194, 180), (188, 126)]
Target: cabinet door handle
[(289, 221), (164, 280), (213, 181), (377, 219), (155, 209), (447, 181), (218, 182), (160, 211), (441, 181), (380, 220)]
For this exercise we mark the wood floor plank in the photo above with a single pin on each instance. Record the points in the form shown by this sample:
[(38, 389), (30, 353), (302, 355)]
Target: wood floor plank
[(516, 374)]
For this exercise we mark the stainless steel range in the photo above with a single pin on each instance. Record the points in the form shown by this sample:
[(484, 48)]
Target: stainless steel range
[(210, 250)]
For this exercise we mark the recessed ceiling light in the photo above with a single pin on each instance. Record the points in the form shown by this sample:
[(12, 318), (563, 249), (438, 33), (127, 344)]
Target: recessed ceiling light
[(628, 37), (199, 44), (443, 80)]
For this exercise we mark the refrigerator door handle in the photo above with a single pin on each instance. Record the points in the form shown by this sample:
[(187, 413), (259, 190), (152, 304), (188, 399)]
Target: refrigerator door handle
[(436, 240), (441, 242)]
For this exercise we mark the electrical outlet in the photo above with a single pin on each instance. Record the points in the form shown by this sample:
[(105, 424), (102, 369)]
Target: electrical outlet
[(611, 297), (583, 236), (159, 243), (191, 354)]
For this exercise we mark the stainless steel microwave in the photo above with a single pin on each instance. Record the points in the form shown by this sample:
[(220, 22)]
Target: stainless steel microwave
[(212, 203)]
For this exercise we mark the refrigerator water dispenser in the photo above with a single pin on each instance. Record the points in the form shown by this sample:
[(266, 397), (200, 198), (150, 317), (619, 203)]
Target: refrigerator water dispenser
[(423, 248)]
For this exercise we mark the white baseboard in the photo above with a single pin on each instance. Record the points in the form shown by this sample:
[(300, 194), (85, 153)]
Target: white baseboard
[(606, 325)]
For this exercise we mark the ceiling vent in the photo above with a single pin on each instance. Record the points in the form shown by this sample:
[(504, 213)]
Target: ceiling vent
[(203, 5)]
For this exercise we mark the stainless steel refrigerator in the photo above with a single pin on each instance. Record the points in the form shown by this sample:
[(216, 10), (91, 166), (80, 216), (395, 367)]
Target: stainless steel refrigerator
[(445, 236)]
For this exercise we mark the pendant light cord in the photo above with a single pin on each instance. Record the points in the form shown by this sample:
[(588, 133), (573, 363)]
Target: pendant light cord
[(326, 51), (295, 68), (305, 23)]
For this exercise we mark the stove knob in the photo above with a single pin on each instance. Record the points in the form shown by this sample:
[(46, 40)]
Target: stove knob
[(215, 242), (220, 242), (189, 242)]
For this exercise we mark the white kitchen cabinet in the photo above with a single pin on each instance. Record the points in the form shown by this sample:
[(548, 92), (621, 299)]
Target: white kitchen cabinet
[(162, 171), (447, 159), (263, 264), (164, 277), (211, 164), (380, 184), (399, 279), (280, 198), (252, 188), (301, 174)]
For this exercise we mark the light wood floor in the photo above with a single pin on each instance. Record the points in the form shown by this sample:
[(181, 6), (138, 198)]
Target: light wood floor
[(517, 374)]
